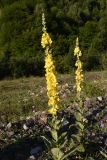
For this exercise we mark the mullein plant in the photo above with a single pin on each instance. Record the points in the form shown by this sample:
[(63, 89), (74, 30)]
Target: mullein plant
[(56, 141), (50, 71), (78, 72), (79, 114)]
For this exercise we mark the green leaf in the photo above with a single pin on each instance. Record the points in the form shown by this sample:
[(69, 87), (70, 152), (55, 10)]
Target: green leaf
[(55, 123), (62, 136), (47, 142), (79, 117), (69, 153), (80, 148), (57, 153), (76, 137), (63, 144), (81, 126), (54, 135), (72, 143)]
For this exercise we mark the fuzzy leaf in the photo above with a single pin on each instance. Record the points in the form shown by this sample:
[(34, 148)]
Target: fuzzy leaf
[(79, 117), (54, 135), (62, 136), (57, 153), (81, 126), (72, 143), (80, 148)]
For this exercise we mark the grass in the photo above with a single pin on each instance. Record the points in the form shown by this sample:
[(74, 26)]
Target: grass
[(22, 97), (25, 96)]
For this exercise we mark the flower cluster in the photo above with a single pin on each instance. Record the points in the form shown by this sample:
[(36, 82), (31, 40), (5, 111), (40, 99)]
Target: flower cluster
[(50, 71), (46, 40), (78, 64)]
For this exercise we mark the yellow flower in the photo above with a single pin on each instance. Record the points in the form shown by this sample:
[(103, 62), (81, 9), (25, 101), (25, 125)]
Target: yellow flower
[(51, 81), (52, 111), (46, 40), (78, 88), (78, 64), (43, 23), (76, 50), (50, 71)]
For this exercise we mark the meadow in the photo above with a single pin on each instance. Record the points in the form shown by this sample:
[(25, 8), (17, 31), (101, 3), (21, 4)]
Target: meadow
[(23, 97)]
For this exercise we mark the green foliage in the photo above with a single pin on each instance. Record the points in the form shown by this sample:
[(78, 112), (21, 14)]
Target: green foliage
[(19, 40), (20, 34), (104, 61), (18, 98), (92, 89), (59, 146)]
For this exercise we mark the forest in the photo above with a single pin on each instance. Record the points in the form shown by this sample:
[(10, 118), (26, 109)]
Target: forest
[(21, 29)]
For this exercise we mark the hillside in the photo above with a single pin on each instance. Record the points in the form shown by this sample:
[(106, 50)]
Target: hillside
[(21, 30)]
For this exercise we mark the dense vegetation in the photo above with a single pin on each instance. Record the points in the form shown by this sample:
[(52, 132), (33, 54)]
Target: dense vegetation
[(21, 30)]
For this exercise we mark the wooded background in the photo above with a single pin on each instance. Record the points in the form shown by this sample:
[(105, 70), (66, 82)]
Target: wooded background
[(21, 29)]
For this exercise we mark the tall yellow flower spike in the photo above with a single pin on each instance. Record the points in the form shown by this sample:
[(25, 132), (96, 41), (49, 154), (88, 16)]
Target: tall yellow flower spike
[(50, 71), (46, 40), (78, 64)]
